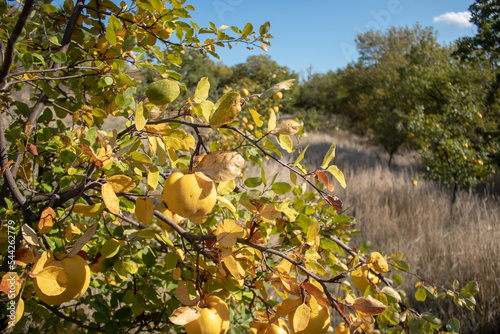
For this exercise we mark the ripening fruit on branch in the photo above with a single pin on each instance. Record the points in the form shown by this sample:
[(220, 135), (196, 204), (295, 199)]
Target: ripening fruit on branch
[(342, 329), (319, 321), (57, 282), (361, 275), (214, 319), (278, 96), (378, 262), (162, 91), (244, 92), (190, 195)]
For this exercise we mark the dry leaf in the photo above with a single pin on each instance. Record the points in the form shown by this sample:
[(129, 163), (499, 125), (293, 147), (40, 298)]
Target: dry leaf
[(110, 199), (24, 256), (184, 315), (233, 265), (368, 306), (222, 165), (144, 209), (301, 318), (324, 178), (317, 293), (83, 240), (70, 230), (182, 293), (46, 220), (228, 232), (121, 183), (288, 128)]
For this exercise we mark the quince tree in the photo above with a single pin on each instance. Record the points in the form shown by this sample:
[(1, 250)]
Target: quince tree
[(128, 210)]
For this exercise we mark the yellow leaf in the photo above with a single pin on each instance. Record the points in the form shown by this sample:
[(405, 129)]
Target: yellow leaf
[(257, 118), (184, 315), (140, 120), (179, 140), (368, 306), (19, 312), (144, 209), (226, 187), (201, 92), (283, 85), (226, 109), (152, 144), (121, 183), (11, 280), (70, 230), (301, 317), (285, 142), (222, 165), (287, 306), (161, 153), (88, 210), (206, 109), (227, 203), (52, 280), (271, 124), (312, 232), (153, 177), (268, 213), (110, 199), (378, 262), (337, 174), (233, 265), (46, 220), (228, 231), (328, 156), (155, 129)]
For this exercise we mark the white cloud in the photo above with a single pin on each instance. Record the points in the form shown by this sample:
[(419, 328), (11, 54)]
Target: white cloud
[(460, 19)]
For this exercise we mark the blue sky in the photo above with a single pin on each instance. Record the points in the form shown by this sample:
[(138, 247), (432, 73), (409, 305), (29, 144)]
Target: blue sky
[(321, 33)]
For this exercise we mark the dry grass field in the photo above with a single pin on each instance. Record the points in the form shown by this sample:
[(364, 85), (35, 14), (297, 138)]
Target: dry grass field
[(440, 241)]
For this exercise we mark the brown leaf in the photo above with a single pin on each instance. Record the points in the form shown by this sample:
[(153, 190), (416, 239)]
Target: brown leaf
[(335, 202), (183, 293), (222, 165), (288, 127), (6, 166), (184, 315), (24, 256), (46, 220), (324, 178), (368, 306), (317, 293), (32, 149)]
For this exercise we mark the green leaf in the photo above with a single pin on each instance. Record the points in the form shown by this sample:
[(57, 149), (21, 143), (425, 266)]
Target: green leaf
[(27, 60), (110, 248), (432, 319), (329, 156), (453, 326), (420, 295), (48, 8), (253, 182), (248, 29), (472, 287), (285, 142), (398, 280), (140, 157), (281, 188), (130, 267), (129, 44), (110, 34), (59, 57), (264, 28), (139, 305), (91, 135)]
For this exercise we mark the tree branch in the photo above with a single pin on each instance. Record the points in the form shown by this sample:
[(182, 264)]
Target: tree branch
[(16, 32)]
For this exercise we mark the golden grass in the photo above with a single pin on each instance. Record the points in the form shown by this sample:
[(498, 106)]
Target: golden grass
[(440, 241)]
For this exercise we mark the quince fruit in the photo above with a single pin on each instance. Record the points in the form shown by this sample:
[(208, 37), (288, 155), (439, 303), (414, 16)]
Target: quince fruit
[(214, 318), (190, 195)]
